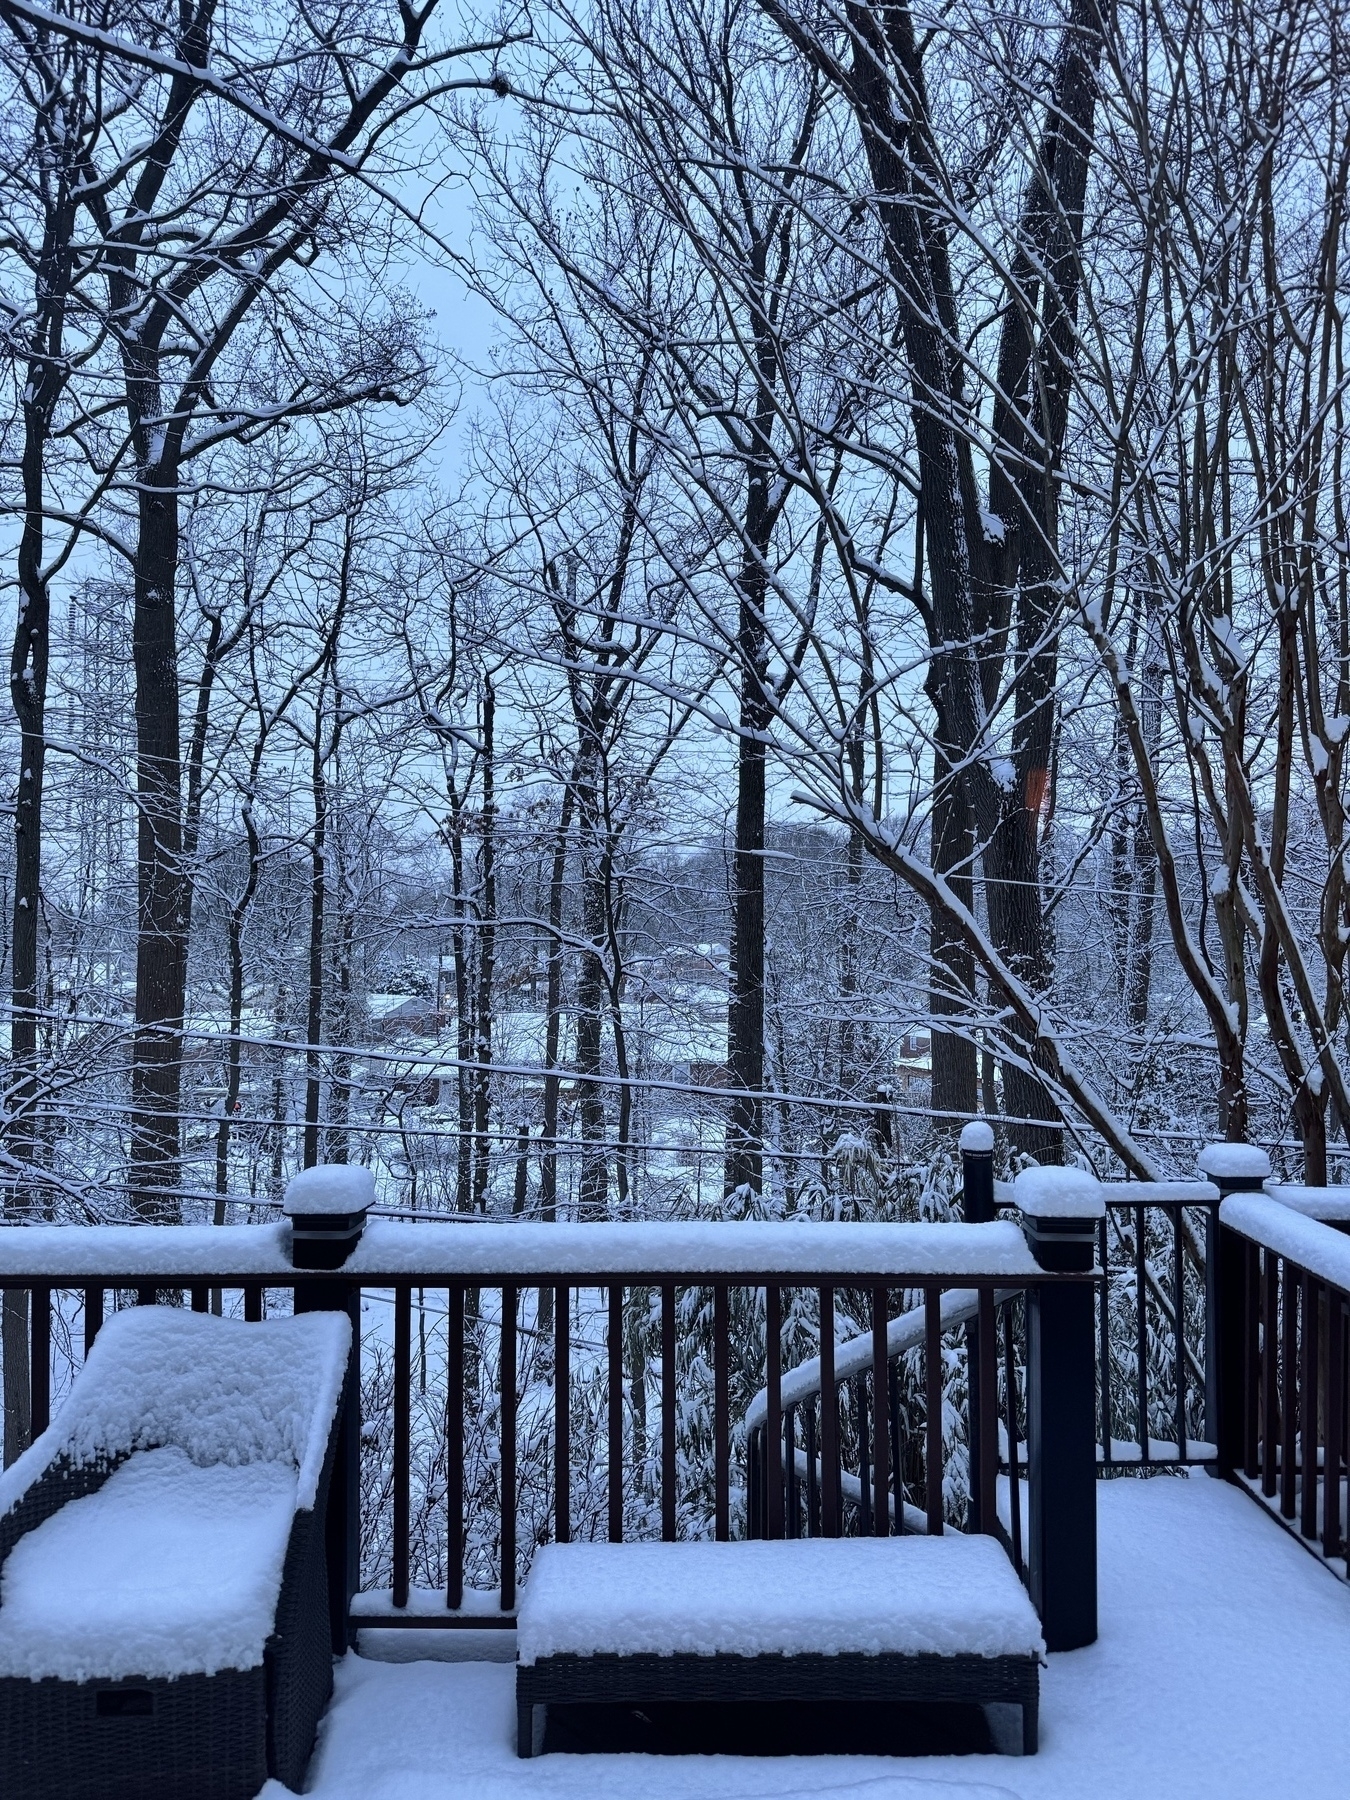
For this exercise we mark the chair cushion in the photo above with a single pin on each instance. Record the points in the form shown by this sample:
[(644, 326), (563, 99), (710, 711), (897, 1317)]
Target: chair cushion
[(168, 1569)]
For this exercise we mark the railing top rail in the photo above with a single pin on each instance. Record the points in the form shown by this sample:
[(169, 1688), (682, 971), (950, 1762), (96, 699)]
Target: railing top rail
[(1313, 1246), (902, 1254), (1331, 1204), (1139, 1193)]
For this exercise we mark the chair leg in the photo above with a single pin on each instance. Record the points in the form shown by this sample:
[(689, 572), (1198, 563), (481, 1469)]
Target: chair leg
[(524, 1728), (1030, 1726)]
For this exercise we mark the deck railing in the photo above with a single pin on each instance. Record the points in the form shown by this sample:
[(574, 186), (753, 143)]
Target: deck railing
[(1289, 1328), (528, 1381), (537, 1324)]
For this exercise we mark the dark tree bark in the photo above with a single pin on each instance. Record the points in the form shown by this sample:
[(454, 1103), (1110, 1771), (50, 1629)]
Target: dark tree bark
[(486, 951), (972, 575), (58, 127)]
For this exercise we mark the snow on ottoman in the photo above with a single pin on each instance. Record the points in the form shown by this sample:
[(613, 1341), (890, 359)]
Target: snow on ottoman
[(909, 1618), (163, 1590)]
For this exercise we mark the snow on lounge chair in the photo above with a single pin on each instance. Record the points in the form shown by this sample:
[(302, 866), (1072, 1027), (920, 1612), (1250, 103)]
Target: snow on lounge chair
[(894, 1619), (164, 1625)]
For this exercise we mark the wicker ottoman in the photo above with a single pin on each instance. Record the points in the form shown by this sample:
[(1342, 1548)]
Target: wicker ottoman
[(881, 1620)]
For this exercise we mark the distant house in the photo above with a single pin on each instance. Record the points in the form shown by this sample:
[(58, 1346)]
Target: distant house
[(914, 1066), (394, 1015)]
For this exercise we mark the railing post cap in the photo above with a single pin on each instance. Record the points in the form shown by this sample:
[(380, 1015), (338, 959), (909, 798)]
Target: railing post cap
[(1235, 1168), (977, 1138), (327, 1206), (1061, 1209)]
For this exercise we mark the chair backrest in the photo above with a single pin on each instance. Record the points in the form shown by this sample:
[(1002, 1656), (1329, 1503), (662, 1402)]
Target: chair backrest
[(221, 1390)]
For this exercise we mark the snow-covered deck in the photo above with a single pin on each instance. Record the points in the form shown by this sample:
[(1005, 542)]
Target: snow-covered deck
[(1221, 1670)]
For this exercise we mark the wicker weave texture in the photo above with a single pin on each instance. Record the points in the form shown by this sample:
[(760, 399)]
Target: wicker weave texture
[(701, 1679), (205, 1739)]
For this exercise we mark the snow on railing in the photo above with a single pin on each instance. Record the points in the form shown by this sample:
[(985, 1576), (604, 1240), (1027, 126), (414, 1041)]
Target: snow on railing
[(1273, 1223), (526, 1250), (1284, 1316)]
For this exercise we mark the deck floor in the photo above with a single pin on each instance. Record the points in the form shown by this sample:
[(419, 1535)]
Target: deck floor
[(1222, 1669)]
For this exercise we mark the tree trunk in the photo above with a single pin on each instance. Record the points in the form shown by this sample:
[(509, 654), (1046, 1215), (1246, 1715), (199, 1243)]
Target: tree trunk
[(591, 986), (745, 1006), (318, 895), (487, 951), (162, 890)]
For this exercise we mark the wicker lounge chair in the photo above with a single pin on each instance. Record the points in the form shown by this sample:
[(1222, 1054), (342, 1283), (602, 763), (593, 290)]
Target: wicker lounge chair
[(882, 1620), (164, 1625)]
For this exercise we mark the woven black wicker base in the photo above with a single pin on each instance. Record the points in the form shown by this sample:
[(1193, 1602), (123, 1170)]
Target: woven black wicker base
[(201, 1737), (657, 1680)]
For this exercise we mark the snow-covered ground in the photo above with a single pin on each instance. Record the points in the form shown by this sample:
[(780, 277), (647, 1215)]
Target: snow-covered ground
[(1221, 1670)]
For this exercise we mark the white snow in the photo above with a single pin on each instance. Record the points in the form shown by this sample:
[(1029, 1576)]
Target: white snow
[(1055, 1193), (76, 1251), (1319, 1248), (168, 1569), (731, 1247), (220, 1390), (1004, 773), (913, 1595), (1331, 1204), (1235, 1162), (392, 1247), (977, 1137), (1197, 1193), (1219, 1675), (906, 1332), (331, 1188)]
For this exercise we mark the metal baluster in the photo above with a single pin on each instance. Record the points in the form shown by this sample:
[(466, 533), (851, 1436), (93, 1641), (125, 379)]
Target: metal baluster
[(1307, 1447), (1270, 1338), (1331, 1489), (93, 1316), (1251, 1376), (1104, 1352), (615, 1347), (1141, 1331), (880, 1431), (987, 1376), (812, 1474), (1179, 1332), (864, 1461), (897, 1445), (932, 1381), (1014, 1481), (669, 1471), (508, 1448), (562, 1415), (1289, 1385), (402, 1436), (754, 1505), (454, 1449), (40, 1366), (831, 1522), (773, 1425), (722, 1412), (792, 1518)]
